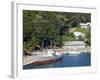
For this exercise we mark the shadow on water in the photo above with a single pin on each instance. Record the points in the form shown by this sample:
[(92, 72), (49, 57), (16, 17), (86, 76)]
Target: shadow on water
[(79, 60)]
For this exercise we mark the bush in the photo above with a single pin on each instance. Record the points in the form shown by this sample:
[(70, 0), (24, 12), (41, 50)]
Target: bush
[(80, 38), (82, 30), (68, 37)]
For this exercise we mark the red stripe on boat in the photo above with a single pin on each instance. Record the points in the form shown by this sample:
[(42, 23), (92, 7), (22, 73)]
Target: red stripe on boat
[(46, 62)]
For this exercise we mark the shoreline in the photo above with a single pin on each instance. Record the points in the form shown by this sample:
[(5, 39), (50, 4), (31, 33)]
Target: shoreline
[(32, 58)]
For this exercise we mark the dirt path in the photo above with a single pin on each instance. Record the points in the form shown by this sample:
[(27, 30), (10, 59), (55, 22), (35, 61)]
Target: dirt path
[(72, 29)]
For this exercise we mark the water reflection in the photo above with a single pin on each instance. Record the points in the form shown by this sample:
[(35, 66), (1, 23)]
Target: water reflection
[(83, 59)]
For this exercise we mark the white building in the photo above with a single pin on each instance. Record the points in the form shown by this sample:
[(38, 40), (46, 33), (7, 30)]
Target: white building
[(73, 45), (85, 25), (77, 34)]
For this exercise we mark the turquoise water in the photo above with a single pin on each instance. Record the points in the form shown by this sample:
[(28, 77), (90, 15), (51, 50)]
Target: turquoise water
[(79, 60)]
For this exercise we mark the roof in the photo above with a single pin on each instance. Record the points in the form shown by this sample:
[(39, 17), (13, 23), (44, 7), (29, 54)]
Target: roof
[(85, 24)]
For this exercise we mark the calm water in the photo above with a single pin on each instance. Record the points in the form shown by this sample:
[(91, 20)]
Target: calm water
[(67, 61)]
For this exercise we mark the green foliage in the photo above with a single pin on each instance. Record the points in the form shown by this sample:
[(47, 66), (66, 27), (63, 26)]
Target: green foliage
[(81, 38), (88, 37), (53, 25), (29, 45), (87, 33), (82, 30), (68, 37)]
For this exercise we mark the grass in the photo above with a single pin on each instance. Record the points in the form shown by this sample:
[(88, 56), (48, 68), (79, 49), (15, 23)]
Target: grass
[(85, 31), (68, 37)]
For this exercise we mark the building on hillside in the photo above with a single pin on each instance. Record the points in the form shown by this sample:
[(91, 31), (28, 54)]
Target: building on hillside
[(73, 45), (85, 25), (77, 34)]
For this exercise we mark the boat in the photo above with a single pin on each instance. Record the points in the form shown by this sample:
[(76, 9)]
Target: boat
[(52, 56)]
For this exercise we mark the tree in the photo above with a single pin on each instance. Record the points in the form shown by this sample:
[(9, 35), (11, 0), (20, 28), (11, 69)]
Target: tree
[(88, 37), (39, 25), (81, 38)]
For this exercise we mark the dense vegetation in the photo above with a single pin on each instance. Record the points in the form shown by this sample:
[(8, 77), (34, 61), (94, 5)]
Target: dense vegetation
[(51, 26)]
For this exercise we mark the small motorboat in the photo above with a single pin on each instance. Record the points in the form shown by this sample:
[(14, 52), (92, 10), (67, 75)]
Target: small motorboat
[(52, 56)]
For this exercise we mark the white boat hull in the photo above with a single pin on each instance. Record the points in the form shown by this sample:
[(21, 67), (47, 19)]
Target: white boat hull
[(44, 59)]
